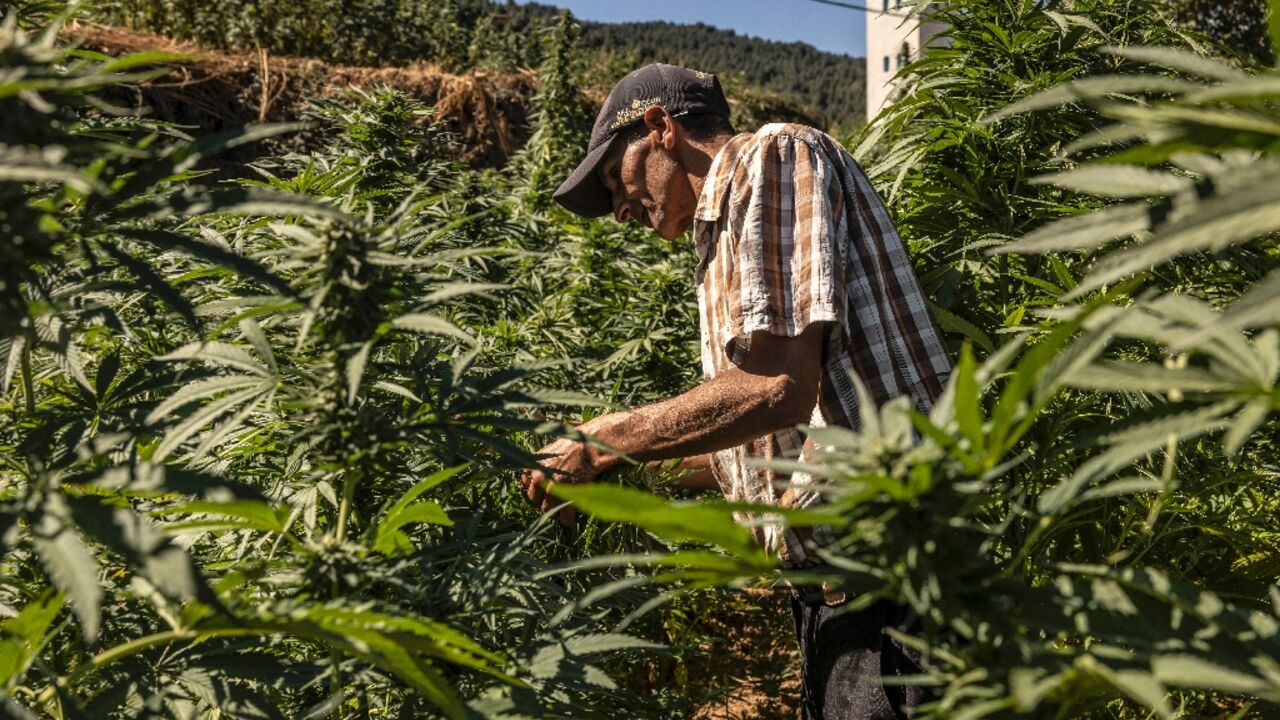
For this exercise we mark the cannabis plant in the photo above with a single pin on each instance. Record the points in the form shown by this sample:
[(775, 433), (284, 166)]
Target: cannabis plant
[(253, 464), (1085, 522)]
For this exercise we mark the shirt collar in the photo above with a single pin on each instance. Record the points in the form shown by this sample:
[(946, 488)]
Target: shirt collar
[(718, 178)]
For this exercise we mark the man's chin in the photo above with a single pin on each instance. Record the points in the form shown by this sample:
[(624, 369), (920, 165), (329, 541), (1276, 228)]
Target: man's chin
[(672, 229)]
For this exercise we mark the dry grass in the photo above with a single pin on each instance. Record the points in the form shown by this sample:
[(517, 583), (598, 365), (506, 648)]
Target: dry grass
[(212, 90)]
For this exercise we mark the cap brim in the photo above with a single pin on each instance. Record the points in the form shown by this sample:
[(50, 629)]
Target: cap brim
[(583, 192)]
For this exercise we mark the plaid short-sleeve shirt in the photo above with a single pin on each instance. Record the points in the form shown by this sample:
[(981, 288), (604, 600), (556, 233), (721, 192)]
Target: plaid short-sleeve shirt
[(789, 231)]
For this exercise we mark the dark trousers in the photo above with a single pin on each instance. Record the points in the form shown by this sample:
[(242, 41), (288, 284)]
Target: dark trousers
[(845, 655)]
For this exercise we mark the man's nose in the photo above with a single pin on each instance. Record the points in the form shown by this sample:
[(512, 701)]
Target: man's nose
[(622, 212)]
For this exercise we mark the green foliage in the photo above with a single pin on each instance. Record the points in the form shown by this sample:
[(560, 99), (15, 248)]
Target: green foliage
[(1085, 522), (259, 438), (1240, 25), (252, 434), (957, 187), (561, 120)]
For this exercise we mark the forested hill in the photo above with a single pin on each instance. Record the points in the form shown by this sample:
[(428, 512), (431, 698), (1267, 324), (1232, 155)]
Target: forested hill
[(829, 83), (462, 35), (832, 84)]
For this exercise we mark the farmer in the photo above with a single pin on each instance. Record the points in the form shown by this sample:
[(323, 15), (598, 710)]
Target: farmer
[(801, 280)]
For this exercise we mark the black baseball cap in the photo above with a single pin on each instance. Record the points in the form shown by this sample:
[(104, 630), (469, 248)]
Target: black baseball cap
[(680, 90)]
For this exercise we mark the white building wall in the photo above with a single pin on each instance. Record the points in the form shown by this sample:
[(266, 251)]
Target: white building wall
[(893, 40)]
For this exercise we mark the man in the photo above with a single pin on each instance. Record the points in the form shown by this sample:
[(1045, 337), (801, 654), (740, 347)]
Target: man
[(801, 281)]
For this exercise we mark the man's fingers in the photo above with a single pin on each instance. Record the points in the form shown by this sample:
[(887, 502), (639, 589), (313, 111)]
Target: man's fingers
[(537, 486), (548, 500), (533, 491), (567, 516)]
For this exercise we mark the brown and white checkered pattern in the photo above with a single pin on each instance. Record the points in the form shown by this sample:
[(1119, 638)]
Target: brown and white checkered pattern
[(789, 231)]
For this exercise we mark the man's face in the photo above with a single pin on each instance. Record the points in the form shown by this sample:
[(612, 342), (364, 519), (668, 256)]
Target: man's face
[(649, 184)]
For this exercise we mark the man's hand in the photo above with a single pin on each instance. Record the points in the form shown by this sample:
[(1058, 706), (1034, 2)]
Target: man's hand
[(775, 387), (565, 460)]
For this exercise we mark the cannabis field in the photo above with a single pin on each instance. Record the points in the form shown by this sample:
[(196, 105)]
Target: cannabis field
[(261, 421)]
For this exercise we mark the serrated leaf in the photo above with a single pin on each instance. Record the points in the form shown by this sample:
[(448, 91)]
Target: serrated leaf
[(1196, 672), (424, 485), (355, 370), (253, 333), (156, 478), (548, 660), (1244, 423), (239, 514), (606, 642), (1093, 88), (389, 539), (1120, 181), (23, 635), (202, 417), (1082, 231), (151, 280), (968, 406), (1180, 60), (1117, 376), (397, 389), (219, 353), (201, 389), (1124, 486), (194, 202), (1132, 443), (566, 397), (106, 374), (55, 337), (676, 522), (951, 322), (133, 60), (1216, 223), (135, 538), (1142, 687), (209, 252), (1259, 305), (72, 568), (455, 290), (431, 325)]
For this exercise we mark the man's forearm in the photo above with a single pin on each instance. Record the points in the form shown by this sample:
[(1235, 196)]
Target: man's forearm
[(731, 409), (775, 387)]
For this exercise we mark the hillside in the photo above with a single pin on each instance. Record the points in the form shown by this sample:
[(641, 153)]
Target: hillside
[(464, 35), (831, 84)]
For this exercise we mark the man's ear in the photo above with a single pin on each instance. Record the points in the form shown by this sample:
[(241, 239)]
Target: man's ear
[(658, 120)]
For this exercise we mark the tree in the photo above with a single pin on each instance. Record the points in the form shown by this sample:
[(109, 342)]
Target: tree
[(1240, 25)]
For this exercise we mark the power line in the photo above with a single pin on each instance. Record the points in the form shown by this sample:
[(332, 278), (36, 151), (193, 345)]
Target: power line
[(864, 8)]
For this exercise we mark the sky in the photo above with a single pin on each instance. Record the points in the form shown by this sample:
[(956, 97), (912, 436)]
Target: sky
[(829, 28)]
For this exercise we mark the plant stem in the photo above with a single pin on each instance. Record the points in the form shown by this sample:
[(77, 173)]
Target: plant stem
[(344, 507), (1168, 483), (28, 390), (335, 682)]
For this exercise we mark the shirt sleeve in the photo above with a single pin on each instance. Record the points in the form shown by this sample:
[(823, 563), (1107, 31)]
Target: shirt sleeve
[(783, 251)]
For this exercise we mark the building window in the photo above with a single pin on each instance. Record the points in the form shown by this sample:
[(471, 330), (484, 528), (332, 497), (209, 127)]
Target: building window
[(904, 55), (886, 63), (886, 5)]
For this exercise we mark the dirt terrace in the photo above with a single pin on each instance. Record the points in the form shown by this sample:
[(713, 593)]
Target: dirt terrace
[(213, 90)]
